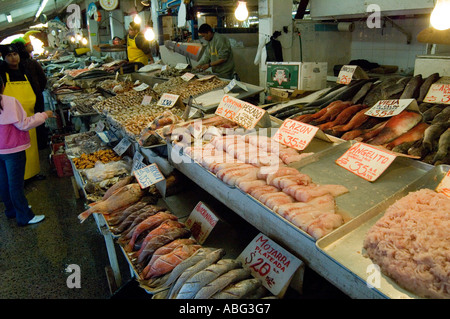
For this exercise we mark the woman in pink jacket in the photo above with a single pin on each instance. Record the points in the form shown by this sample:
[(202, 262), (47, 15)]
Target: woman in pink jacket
[(14, 140)]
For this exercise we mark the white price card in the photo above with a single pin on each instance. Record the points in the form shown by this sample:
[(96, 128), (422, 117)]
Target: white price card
[(295, 134), (122, 146), (233, 83), (148, 175), (201, 222), (229, 107), (100, 126), (269, 262), (164, 68), (249, 115), (366, 161), (438, 93), (141, 87), (346, 74), (103, 136), (188, 76), (181, 66), (146, 100), (387, 108), (444, 185), (138, 161), (168, 100)]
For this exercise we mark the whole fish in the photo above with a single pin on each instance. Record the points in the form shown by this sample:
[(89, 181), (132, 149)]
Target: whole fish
[(148, 224), (359, 118), (328, 96), (342, 117), (443, 146), (167, 262), (442, 116), (417, 149), (331, 112), (396, 126), (118, 218), (205, 276), (425, 87), (371, 132), (403, 147), (432, 134), (166, 249), (376, 92), (222, 281), (121, 199), (359, 97), (414, 134), (239, 290), (210, 258), (122, 182), (423, 107), (159, 241), (412, 89), (393, 91), (319, 113), (431, 113), (126, 228)]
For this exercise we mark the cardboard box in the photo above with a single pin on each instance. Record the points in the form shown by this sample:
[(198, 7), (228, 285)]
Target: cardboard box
[(308, 76)]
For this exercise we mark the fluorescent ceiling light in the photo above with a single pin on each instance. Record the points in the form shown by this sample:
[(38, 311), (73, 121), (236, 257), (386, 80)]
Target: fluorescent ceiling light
[(41, 8), (9, 17)]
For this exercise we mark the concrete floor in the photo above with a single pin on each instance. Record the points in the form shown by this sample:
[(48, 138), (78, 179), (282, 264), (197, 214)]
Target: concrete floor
[(33, 259)]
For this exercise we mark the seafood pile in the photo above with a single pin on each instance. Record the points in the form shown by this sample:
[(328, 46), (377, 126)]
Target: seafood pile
[(257, 165), (114, 87), (193, 87), (87, 143), (424, 135), (410, 243), (88, 160), (83, 104)]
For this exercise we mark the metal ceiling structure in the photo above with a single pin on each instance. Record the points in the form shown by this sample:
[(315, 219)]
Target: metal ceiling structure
[(23, 13)]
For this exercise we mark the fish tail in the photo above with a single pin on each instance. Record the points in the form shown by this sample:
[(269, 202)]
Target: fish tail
[(84, 215)]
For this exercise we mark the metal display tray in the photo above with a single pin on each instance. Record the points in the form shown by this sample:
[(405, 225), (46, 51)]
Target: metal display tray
[(345, 245), (362, 195)]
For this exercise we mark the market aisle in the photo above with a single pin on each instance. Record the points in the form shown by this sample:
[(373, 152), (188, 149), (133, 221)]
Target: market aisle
[(34, 258)]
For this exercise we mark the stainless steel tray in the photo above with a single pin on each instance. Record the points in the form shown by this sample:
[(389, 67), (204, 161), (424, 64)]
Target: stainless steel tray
[(362, 194), (345, 245)]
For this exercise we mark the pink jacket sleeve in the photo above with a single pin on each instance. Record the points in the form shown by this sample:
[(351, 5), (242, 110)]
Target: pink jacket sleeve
[(13, 113)]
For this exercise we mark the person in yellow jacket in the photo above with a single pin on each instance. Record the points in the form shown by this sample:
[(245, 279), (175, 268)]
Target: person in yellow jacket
[(18, 85), (138, 48)]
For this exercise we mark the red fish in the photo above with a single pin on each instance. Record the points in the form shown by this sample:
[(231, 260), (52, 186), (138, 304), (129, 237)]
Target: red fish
[(414, 134), (357, 120), (342, 117), (332, 112), (396, 126)]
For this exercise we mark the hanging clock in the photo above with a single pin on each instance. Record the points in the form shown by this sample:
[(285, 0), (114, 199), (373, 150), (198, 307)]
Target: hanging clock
[(109, 4)]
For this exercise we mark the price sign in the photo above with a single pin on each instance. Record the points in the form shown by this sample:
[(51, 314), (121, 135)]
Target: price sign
[(229, 107), (366, 161), (444, 185), (233, 83), (295, 134), (249, 115), (168, 100), (201, 222), (346, 74), (148, 175), (122, 146), (388, 108), (164, 68), (146, 100), (187, 76), (100, 126), (181, 66), (141, 87), (269, 262), (438, 93)]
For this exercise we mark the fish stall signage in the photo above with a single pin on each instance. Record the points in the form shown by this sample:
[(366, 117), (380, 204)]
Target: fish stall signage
[(188, 76), (148, 175), (168, 100), (366, 161), (233, 83), (201, 222), (270, 263), (122, 146), (347, 72), (388, 108), (229, 107), (444, 185), (250, 115), (146, 100), (295, 134), (438, 93), (138, 161)]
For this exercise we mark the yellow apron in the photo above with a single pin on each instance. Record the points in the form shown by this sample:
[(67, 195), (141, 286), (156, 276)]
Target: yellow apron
[(134, 53), (24, 93)]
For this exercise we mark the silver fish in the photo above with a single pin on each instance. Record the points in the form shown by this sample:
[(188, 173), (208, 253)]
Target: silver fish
[(412, 88), (188, 273), (238, 290), (218, 284), (425, 87), (203, 277)]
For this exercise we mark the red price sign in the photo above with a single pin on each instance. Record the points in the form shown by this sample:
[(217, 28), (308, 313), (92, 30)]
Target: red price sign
[(366, 161), (295, 134), (444, 185), (346, 74), (229, 107), (438, 93)]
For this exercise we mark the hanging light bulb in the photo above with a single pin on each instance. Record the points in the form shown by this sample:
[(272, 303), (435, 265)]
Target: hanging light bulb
[(241, 12), (439, 18), (149, 34), (72, 39), (84, 41), (137, 19)]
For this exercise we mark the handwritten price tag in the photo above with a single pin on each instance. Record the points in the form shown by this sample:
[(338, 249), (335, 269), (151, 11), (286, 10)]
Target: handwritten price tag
[(187, 76), (141, 87), (388, 108), (269, 262), (168, 100), (229, 107), (148, 175), (366, 161), (122, 146), (100, 126), (295, 134), (438, 93), (201, 222), (346, 74), (249, 115), (146, 100), (444, 185)]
